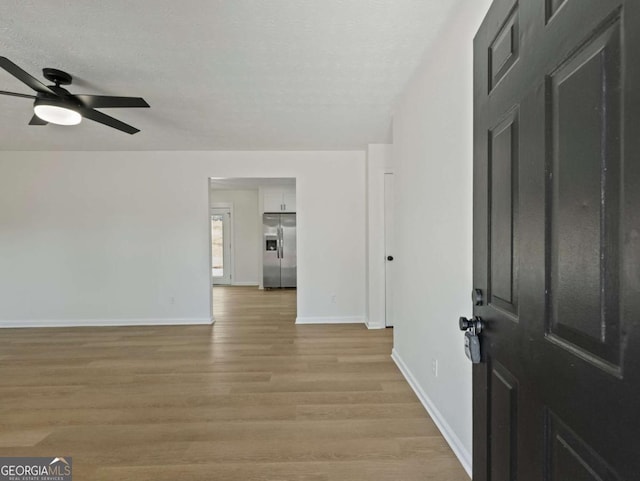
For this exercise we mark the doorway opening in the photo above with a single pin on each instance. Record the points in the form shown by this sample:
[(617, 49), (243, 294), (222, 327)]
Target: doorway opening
[(221, 246), (253, 242)]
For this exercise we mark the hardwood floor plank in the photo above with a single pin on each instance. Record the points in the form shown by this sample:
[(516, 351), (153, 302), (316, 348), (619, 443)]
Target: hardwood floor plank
[(294, 451), (253, 397), (361, 411), (438, 469), (20, 437)]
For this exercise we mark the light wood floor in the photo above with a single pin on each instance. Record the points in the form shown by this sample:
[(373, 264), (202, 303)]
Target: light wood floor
[(252, 398)]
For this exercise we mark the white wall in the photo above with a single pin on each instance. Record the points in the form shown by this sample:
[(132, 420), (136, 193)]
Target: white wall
[(433, 215), (123, 237), (247, 234)]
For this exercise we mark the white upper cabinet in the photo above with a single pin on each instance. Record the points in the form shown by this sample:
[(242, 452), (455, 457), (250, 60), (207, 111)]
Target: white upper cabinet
[(279, 200), (289, 200), (272, 201)]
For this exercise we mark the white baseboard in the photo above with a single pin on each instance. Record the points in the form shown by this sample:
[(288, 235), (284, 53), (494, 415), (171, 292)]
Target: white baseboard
[(106, 322), (330, 320), (245, 283), (463, 455), (371, 325)]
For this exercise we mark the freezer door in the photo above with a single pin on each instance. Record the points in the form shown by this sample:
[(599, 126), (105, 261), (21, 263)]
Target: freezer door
[(271, 251), (288, 250)]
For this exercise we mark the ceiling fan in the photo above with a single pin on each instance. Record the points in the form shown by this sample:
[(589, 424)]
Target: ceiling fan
[(54, 104)]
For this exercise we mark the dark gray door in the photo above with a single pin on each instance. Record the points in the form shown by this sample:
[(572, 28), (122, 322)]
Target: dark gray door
[(557, 241)]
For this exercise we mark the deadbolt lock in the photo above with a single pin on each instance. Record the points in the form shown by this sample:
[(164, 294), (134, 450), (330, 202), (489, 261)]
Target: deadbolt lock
[(478, 298)]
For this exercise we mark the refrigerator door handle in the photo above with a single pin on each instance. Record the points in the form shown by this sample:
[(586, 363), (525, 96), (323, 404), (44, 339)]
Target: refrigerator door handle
[(280, 243)]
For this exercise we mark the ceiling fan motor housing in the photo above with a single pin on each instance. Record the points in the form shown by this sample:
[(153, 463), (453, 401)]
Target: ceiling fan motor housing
[(61, 108), (56, 76)]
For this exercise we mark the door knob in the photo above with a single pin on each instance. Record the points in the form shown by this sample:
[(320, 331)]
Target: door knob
[(474, 325), (389, 258)]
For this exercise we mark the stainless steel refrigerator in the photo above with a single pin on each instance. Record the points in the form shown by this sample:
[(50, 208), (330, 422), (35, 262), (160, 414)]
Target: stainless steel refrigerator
[(279, 250)]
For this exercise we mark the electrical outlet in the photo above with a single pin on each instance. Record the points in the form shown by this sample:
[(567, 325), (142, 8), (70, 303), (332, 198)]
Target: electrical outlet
[(172, 300), (333, 298), (434, 367)]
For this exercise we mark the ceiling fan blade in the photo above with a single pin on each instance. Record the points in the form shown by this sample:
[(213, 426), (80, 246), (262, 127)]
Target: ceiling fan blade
[(106, 120), (35, 120), (24, 77), (14, 94), (108, 102)]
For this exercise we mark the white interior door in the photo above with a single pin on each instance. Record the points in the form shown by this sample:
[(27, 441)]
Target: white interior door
[(388, 248), (220, 246)]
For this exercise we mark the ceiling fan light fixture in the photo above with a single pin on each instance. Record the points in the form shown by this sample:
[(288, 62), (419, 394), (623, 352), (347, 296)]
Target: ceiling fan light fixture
[(56, 105), (56, 112)]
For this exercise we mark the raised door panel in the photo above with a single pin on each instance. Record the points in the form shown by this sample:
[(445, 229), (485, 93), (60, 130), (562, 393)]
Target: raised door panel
[(568, 457), (503, 214), (504, 50), (503, 424), (584, 194)]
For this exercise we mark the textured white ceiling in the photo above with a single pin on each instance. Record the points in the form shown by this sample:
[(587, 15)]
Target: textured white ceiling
[(219, 74)]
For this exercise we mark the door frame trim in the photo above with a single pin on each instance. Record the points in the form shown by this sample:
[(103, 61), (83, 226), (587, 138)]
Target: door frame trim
[(379, 162), (388, 208)]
